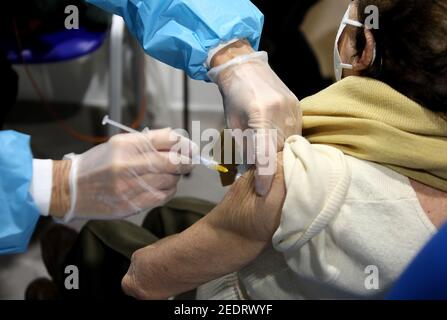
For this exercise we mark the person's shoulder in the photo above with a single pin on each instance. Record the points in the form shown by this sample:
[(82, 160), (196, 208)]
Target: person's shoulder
[(323, 185), (372, 181), (316, 176), (328, 168), (321, 162)]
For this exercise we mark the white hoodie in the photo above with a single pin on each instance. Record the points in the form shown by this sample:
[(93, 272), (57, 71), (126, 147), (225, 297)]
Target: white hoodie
[(348, 230)]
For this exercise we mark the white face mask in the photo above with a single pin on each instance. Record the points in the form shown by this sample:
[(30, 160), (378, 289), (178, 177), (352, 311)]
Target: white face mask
[(338, 64)]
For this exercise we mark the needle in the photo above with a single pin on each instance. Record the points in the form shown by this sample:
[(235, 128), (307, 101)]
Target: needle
[(210, 164), (109, 121)]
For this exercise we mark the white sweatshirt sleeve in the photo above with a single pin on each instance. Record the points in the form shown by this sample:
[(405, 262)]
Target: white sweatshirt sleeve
[(343, 216), (317, 179), (348, 228)]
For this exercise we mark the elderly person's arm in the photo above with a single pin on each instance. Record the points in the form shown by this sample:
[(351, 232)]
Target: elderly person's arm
[(226, 240)]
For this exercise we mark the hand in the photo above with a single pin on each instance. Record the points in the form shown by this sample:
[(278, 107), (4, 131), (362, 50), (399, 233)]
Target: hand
[(248, 215), (128, 174), (255, 98), (226, 240)]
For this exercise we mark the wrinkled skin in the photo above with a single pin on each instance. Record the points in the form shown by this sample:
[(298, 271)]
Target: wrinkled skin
[(230, 237)]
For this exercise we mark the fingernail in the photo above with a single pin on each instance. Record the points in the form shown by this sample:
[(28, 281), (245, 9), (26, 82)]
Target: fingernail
[(261, 188)]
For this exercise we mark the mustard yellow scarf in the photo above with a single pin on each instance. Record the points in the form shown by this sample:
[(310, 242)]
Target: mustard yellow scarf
[(369, 120)]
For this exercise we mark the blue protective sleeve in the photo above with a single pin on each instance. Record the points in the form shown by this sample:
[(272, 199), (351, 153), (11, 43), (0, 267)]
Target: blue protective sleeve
[(180, 33), (426, 277), (18, 213)]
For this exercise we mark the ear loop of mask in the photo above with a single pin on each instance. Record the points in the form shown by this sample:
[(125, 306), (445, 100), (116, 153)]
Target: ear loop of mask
[(338, 64), (346, 22)]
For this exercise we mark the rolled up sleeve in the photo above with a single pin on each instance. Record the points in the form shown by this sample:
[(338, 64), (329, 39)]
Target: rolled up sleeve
[(317, 180)]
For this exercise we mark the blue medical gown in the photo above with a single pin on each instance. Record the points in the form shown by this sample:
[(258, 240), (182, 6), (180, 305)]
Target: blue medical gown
[(18, 213), (426, 277), (180, 33)]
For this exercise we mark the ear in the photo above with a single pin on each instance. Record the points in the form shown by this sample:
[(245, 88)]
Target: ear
[(365, 60)]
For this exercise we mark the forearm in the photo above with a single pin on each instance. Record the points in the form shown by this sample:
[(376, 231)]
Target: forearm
[(202, 253), (226, 240)]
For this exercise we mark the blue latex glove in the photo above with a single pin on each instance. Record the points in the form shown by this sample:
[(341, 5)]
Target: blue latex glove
[(182, 32), (18, 213)]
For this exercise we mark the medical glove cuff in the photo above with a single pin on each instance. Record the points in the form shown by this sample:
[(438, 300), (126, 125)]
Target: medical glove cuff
[(214, 51), (215, 72)]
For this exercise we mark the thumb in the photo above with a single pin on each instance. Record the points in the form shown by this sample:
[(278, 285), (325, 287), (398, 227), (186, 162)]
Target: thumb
[(265, 151), (263, 184)]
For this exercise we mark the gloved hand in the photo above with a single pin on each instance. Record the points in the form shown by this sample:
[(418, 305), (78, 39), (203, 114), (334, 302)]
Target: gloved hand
[(182, 32), (128, 174), (255, 98)]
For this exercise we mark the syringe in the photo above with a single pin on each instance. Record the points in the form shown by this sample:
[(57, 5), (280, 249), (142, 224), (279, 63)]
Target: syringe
[(210, 164)]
